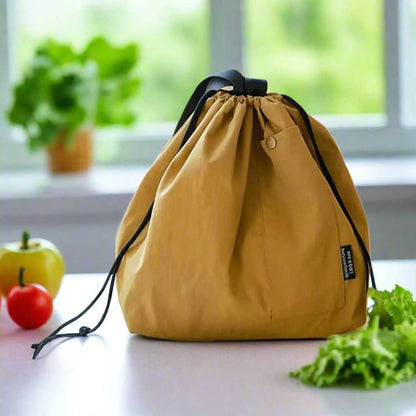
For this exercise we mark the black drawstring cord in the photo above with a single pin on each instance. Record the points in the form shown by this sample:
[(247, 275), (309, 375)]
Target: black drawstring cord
[(111, 277), (328, 177), (194, 120), (84, 330)]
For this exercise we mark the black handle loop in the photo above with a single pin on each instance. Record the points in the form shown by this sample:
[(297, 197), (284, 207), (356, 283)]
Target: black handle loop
[(233, 78), (256, 87)]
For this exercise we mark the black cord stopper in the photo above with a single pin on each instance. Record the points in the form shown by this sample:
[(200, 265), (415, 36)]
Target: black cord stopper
[(84, 330)]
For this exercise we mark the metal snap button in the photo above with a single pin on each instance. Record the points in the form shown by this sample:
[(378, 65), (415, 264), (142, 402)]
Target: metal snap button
[(271, 142)]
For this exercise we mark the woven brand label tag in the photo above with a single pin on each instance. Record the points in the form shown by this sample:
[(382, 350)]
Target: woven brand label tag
[(347, 263)]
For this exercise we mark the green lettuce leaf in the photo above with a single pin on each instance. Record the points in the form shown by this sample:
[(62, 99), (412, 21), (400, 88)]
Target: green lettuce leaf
[(393, 307), (407, 345), (377, 356)]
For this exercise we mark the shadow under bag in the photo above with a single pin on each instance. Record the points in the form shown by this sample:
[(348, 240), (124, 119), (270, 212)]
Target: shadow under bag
[(246, 226)]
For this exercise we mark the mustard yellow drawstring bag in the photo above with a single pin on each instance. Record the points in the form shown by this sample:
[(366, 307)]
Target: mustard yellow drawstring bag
[(247, 226)]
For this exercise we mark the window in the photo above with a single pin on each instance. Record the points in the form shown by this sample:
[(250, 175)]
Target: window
[(327, 53), (350, 63), (409, 74)]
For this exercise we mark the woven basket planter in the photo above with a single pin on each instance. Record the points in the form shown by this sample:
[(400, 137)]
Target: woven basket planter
[(77, 157)]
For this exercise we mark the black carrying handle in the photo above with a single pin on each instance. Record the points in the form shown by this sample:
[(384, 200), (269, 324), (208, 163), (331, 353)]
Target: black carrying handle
[(230, 78)]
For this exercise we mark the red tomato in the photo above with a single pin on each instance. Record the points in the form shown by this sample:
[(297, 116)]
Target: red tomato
[(29, 306)]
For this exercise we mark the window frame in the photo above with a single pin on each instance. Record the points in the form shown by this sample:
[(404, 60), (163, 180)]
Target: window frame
[(357, 136), (4, 79)]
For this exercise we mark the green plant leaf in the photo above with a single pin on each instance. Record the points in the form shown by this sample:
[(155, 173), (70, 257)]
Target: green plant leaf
[(32, 90), (42, 134), (58, 53), (113, 105), (112, 61)]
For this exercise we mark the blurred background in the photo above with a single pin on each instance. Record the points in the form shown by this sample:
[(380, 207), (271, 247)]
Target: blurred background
[(329, 54), (350, 63)]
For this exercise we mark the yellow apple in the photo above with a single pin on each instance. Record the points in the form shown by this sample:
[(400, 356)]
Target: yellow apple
[(42, 260)]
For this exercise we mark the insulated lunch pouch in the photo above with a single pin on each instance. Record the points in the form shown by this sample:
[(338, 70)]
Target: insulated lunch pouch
[(247, 226)]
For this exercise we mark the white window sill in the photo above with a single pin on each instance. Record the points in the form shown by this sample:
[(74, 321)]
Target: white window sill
[(107, 190)]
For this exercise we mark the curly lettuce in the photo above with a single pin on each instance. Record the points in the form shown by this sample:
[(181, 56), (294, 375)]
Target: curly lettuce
[(377, 356), (393, 307)]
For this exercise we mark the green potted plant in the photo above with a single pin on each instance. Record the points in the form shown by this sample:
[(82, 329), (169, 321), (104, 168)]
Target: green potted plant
[(64, 94)]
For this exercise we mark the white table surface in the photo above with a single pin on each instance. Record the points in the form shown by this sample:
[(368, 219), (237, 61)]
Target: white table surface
[(116, 373)]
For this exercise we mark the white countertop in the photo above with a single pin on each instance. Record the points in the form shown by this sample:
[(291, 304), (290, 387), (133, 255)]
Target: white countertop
[(116, 373)]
